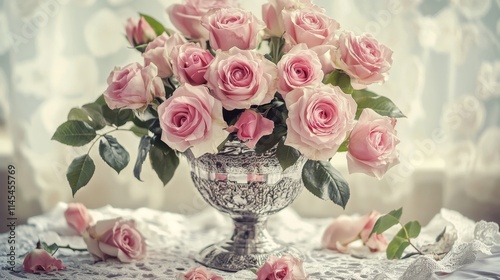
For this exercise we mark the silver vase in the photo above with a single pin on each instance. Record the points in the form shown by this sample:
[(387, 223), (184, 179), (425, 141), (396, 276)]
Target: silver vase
[(248, 187)]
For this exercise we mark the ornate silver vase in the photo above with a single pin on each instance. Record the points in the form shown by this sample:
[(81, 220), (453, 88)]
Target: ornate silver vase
[(248, 187)]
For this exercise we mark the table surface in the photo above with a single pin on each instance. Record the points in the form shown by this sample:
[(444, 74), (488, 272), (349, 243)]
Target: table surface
[(173, 240)]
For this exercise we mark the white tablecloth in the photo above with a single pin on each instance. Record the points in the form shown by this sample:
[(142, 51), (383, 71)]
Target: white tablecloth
[(174, 239)]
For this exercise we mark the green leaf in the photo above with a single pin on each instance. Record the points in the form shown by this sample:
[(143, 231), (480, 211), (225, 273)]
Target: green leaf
[(79, 172), (380, 104), (90, 114), (268, 57), (113, 153), (396, 247), (144, 147), (286, 155), (322, 179), (343, 147), (164, 161), (94, 112), (74, 133), (340, 79), (156, 25), (100, 100), (276, 45), (223, 143), (117, 117), (269, 141), (169, 88), (387, 221), (139, 131), (51, 249), (78, 114), (413, 229), (143, 124)]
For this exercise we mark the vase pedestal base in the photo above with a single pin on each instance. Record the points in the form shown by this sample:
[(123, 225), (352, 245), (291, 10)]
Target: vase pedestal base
[(249, 246), (218, 257)]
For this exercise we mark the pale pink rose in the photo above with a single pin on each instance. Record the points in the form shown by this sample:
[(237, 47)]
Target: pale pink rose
[(190, 63), (117, 238), (199, 273), (186, 17), (284, 268), (133, 86), (251, 126), (192, 118), (233, 27), (308, 26), (242, 78), (342, 231), (77, 217), (363, 58), (158, 52), (346, 229), (271, 13), (324, 56), (299, 67), (40, 261), (372, 145), (139, 32), (376, 242), (318, 120)]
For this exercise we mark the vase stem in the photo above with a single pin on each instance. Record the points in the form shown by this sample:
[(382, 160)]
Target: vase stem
[(249, 246), (250, 236)]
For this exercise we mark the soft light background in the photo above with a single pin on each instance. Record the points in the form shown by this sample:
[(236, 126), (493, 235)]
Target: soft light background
[(56, 54)]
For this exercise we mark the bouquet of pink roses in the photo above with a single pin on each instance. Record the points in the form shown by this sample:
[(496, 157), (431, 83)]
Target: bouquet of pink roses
[(215, 78)]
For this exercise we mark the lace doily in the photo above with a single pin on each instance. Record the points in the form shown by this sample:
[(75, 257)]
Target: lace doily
[(174, 239)]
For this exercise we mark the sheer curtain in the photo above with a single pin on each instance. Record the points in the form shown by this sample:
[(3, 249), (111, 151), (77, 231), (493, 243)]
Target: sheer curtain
[(56, 54)]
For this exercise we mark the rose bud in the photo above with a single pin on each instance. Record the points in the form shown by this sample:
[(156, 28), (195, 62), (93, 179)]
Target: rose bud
[(77, 217)]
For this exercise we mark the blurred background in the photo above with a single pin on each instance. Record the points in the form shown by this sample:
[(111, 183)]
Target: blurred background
[(57, 54)]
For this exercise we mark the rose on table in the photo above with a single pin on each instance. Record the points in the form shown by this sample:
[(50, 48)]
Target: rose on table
[(111, 238)]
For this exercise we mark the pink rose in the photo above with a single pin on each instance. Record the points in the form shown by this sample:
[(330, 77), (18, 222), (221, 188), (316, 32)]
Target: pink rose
[(346, 229), (372, 145), (77, 217), (190, 63), (140, 32), (251, 126), (115, 238), (299, 67), (284, 268), (187, 17), (192, 118), (364, 59), (342, 231), (324, 57), (308, 26), (40, 261), (199, 273), (242, 78), (318, 120), (376, 242), (158, 52), (233, 27), (133, 86), (271, 14)]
